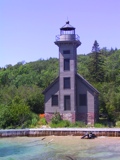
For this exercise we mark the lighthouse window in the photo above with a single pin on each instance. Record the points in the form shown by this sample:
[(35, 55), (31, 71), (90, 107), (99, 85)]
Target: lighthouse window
[(66, 52), (66, 64), (82, 100), (66, 82), (67, 105), (54, 100)]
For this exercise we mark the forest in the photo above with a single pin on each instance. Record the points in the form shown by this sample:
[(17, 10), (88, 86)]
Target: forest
[(21, 86)]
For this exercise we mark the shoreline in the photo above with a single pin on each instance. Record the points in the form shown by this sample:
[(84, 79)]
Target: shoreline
[(41, 132)]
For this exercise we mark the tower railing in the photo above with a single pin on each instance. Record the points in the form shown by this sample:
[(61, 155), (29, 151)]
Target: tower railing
[(67, 37)]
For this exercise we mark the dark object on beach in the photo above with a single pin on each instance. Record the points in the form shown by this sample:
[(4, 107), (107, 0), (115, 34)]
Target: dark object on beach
[(89, 135), (43, 138)]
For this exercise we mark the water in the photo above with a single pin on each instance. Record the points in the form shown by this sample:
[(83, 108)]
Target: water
[(59, 148)]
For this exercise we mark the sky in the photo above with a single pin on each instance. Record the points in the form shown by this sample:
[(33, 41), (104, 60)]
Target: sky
[(28, 27)]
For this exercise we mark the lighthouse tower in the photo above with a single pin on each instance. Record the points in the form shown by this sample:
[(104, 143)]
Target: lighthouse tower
[(67, 42)]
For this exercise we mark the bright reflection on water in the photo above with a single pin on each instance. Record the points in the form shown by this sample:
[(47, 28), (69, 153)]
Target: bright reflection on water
[(59, 148)]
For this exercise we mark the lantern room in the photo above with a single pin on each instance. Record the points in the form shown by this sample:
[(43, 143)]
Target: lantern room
[(67, 29), (67, 33)]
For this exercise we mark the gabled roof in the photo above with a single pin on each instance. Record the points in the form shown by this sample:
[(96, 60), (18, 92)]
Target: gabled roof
[(56, 80), (87, 83), (79, 76)]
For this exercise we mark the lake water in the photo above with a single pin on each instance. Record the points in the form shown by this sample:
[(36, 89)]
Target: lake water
[(59, 148)]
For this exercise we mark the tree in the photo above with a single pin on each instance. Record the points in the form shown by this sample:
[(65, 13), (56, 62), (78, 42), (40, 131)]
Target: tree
[(95, 48), (112, 68), (96, 64), (15, 115)]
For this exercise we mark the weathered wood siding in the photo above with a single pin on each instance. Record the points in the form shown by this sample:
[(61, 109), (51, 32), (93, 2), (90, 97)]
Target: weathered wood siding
[(70, 115), (54, 90), (70, 73), (86, 113)]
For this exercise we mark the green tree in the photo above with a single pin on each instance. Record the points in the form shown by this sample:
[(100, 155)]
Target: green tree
[(82, 65), (96, 64), (112, 68), (15, 115)]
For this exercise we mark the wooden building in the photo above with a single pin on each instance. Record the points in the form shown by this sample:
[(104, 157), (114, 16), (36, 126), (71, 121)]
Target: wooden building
[(70, 94)]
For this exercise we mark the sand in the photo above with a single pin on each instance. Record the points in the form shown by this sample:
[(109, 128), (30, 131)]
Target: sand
[(75, 140)]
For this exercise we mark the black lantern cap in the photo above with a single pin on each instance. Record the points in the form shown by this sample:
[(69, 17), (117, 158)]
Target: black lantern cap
[(67, 27)]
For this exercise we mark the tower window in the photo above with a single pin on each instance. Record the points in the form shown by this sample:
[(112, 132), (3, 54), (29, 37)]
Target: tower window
[(67, 105), (66, 64), (66, 82), (66, 52), (54, 100), (82, 100)]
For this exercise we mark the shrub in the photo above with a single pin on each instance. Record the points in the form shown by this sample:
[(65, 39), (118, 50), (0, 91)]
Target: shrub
[(66, 123), (34, 121), (56, 121), (53, 125), (15, 116), (99, 125), (78, 124), (62, 123), (118, 124), (42, 121), (56, 118)]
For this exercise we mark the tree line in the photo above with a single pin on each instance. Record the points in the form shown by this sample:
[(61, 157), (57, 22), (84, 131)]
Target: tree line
[(21, 85)]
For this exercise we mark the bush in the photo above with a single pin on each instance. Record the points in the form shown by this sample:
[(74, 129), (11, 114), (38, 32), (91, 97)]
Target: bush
[(66, 123), (3, 116), (15, 116), (99, 125), (78, 124), (118, 124), (56, 121), (56, 118), (34, 121), (62, 123), (42, 121)]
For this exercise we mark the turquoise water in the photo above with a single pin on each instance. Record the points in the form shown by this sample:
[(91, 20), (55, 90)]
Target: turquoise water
[(69, 148), (25, 149)]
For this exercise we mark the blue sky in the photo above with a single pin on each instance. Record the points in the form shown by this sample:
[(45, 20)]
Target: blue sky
[(28, 27)]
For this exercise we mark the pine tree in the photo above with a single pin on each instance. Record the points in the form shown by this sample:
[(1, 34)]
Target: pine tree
[(95, 48), (96, 64)]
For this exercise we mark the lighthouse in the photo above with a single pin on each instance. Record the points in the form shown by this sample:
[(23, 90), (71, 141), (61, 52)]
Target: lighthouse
[(67, 43), (72, 96)]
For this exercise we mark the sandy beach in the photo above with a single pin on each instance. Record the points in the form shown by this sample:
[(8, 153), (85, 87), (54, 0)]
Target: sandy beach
[(75, 140)]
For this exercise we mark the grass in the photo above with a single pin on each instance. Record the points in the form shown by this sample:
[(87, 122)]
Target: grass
[(67, 124)]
